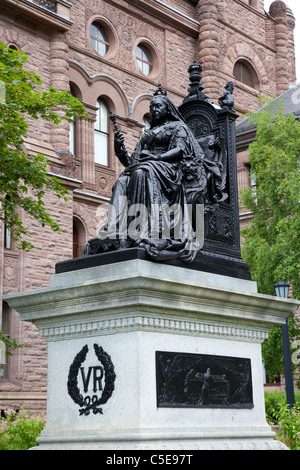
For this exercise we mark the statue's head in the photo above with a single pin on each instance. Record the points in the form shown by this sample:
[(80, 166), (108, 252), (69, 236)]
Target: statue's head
[(229, 86), (159, 110), (162, 109)]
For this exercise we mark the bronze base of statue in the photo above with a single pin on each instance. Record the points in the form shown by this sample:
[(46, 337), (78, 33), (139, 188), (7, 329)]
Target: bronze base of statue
[(206, 262)]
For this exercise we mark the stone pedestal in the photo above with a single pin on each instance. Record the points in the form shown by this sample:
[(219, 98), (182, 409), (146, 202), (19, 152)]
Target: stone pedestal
[(129, 346)]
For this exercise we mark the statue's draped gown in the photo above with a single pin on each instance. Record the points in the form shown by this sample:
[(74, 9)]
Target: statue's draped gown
[(145, 186)]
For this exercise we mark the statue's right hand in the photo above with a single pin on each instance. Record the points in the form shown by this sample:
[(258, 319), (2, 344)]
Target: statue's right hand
[(119, 139), (119, 144)]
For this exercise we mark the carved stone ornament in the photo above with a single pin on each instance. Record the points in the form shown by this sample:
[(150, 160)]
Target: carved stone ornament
[(48, 4), (97, 373)]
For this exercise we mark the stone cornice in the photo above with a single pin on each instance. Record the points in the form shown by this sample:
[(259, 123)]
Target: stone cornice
[(133, 301), (43, 15), (152, 323), (160, 10)]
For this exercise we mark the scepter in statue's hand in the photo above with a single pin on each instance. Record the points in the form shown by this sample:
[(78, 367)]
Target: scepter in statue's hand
[(120, 149)]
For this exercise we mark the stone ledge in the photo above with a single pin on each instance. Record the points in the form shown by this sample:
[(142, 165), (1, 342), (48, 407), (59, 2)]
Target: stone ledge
[(136, 287), (41, 14)]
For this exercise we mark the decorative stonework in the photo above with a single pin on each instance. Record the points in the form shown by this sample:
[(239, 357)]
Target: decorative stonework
[(48, 4), (152, 323), (10, 271), (105, 179), (11, 37), (68, 166)]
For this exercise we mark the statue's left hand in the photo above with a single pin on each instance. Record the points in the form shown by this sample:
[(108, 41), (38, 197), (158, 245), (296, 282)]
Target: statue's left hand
[(145, 155)]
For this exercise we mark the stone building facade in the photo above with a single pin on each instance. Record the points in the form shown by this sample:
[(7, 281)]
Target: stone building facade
[(111, 54)]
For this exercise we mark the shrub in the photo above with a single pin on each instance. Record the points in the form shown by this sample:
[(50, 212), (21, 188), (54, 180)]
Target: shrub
[(273, 403), (18, 431), (289, 426)]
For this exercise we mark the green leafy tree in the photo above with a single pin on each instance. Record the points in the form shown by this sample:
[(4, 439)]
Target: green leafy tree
[(271, 244), (23, 178)]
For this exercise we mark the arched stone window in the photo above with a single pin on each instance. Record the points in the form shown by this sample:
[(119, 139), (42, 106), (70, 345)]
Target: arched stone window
[(79, 238), (245, 73), (74, 126)]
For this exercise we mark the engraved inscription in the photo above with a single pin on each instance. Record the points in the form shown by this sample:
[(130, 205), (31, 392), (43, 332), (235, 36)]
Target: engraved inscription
[(94, 385)]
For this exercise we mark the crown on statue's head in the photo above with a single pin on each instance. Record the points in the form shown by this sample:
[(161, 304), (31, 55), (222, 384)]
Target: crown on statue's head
[(160, 91)]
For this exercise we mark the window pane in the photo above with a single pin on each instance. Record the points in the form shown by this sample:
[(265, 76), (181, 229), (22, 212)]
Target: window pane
[(140, 64), (146, 69), (72, 138), (7, 238), (144, 59), (93, 30), (101, 48), (99, 39), (244, 73), (103, 117), (101, 123), (101, 148), (139, 52)]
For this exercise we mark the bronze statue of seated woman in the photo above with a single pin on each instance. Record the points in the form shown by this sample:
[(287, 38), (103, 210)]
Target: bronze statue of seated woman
[(158, 201)]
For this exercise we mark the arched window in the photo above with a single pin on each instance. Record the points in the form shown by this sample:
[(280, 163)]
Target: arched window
[(245, 73), (79, 238), (74, 125), (101, 131), (144, 59)]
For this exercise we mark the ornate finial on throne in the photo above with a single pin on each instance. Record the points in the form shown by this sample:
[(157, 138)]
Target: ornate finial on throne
[(195, 88), (195, 73)]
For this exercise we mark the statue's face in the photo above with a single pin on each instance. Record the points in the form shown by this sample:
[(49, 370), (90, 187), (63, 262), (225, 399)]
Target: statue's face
[(158, 110)]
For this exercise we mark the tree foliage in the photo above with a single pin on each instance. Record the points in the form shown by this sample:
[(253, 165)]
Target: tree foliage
[(271, 244), (23, 178)]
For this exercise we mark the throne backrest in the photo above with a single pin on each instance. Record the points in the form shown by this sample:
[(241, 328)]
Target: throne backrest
[(210, 123)]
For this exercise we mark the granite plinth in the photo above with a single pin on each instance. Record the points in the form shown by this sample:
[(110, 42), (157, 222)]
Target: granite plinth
[(105, 397)]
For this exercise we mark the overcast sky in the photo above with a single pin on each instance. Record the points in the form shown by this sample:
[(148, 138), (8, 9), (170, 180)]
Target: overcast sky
[(295, 7)]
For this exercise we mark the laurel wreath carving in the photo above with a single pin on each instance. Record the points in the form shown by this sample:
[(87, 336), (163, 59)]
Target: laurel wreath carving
[(72, 384)]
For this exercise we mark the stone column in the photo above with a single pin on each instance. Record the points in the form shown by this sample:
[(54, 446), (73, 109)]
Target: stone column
[(291, 44), (60, 80), (208, 46), (278, 13), (86, 146)]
